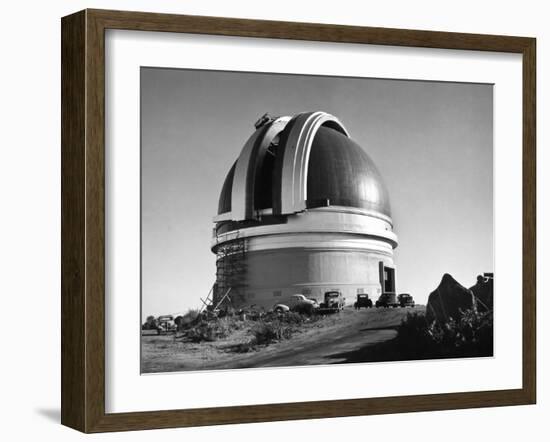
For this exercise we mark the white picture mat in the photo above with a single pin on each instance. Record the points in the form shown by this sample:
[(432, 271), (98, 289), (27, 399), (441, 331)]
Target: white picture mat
[(127, 390)]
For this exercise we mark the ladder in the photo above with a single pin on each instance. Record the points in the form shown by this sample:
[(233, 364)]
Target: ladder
[(210, 299)]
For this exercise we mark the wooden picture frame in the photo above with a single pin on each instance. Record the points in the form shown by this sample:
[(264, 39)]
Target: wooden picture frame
[(83, 220)]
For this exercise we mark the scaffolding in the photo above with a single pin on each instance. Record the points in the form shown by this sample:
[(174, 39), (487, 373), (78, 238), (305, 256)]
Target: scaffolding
[(231, 270), (209, 305)]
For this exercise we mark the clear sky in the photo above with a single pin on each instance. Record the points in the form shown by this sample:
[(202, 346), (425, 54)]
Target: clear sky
[(432, 142)]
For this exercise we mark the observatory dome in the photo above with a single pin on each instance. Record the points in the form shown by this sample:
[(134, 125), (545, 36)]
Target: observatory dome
[(338, 173), (303, 209)]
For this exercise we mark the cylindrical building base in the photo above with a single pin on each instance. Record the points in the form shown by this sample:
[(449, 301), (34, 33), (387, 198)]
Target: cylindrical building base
[(271, 276)]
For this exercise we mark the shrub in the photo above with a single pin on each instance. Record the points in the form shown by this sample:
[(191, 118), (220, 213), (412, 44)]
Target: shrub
[(291, 318), (268, 332), (413, 337), (187, 319), (265, 333), (226, 311), (211, 330), (471, 335), (150, 323), (304, 308)]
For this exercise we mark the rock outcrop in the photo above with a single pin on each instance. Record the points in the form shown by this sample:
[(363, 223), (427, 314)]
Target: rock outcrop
[(483, 293), (447, 300)]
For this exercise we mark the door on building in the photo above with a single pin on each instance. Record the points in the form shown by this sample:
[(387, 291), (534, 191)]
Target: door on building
[(388, 280)]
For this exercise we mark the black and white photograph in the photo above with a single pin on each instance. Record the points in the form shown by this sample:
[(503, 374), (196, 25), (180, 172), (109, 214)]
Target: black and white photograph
[(299, 220), (272, 222)]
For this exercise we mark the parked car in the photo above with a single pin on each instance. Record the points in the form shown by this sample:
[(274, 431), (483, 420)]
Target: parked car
[(387, 300), (295, 302), (314, 302), (363, 300), (166, 324), (333, 301), (405, 300), (281, 308)]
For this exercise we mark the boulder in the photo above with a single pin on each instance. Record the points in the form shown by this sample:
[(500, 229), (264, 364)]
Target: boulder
[(447, 300), (483, 294)]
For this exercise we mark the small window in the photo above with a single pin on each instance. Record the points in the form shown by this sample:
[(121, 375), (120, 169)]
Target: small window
[(251, 295), (360, 291), (306, 292), (277, 293)]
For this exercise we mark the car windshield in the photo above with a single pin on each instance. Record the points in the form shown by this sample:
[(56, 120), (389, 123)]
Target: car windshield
[(333, 294)]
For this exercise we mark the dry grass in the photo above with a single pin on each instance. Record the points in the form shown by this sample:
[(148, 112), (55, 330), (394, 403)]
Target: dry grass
[(313, 340)]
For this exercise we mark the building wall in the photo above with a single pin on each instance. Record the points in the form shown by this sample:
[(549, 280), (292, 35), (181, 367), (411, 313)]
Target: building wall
[(271, 276)]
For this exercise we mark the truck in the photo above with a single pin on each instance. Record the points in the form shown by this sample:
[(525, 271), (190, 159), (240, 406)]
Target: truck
[(386, 300), (333, 302), (405, 300), (363, 300)]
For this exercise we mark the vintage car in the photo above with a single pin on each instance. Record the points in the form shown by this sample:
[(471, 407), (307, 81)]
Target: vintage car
[(387, 300), (333, 302), (363, 300), (405, 300), (294, 301), (166, 324)]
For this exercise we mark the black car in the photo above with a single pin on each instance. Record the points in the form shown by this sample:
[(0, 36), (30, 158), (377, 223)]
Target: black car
[(387, 300), (405, 300), (363, 300)]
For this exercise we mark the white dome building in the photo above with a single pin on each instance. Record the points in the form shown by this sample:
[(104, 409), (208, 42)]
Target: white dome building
[(302, 210)]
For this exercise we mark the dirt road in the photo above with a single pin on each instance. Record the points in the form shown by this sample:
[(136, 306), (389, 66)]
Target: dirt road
[(344, 337)]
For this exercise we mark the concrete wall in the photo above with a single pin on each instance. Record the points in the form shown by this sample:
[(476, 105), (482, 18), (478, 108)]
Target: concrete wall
[(274, 275)]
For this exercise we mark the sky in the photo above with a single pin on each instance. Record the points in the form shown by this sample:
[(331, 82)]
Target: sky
[(431, 141)]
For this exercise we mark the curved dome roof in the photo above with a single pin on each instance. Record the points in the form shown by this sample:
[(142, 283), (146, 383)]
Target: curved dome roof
[(224, 203), (341, 172), (335, 170)]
